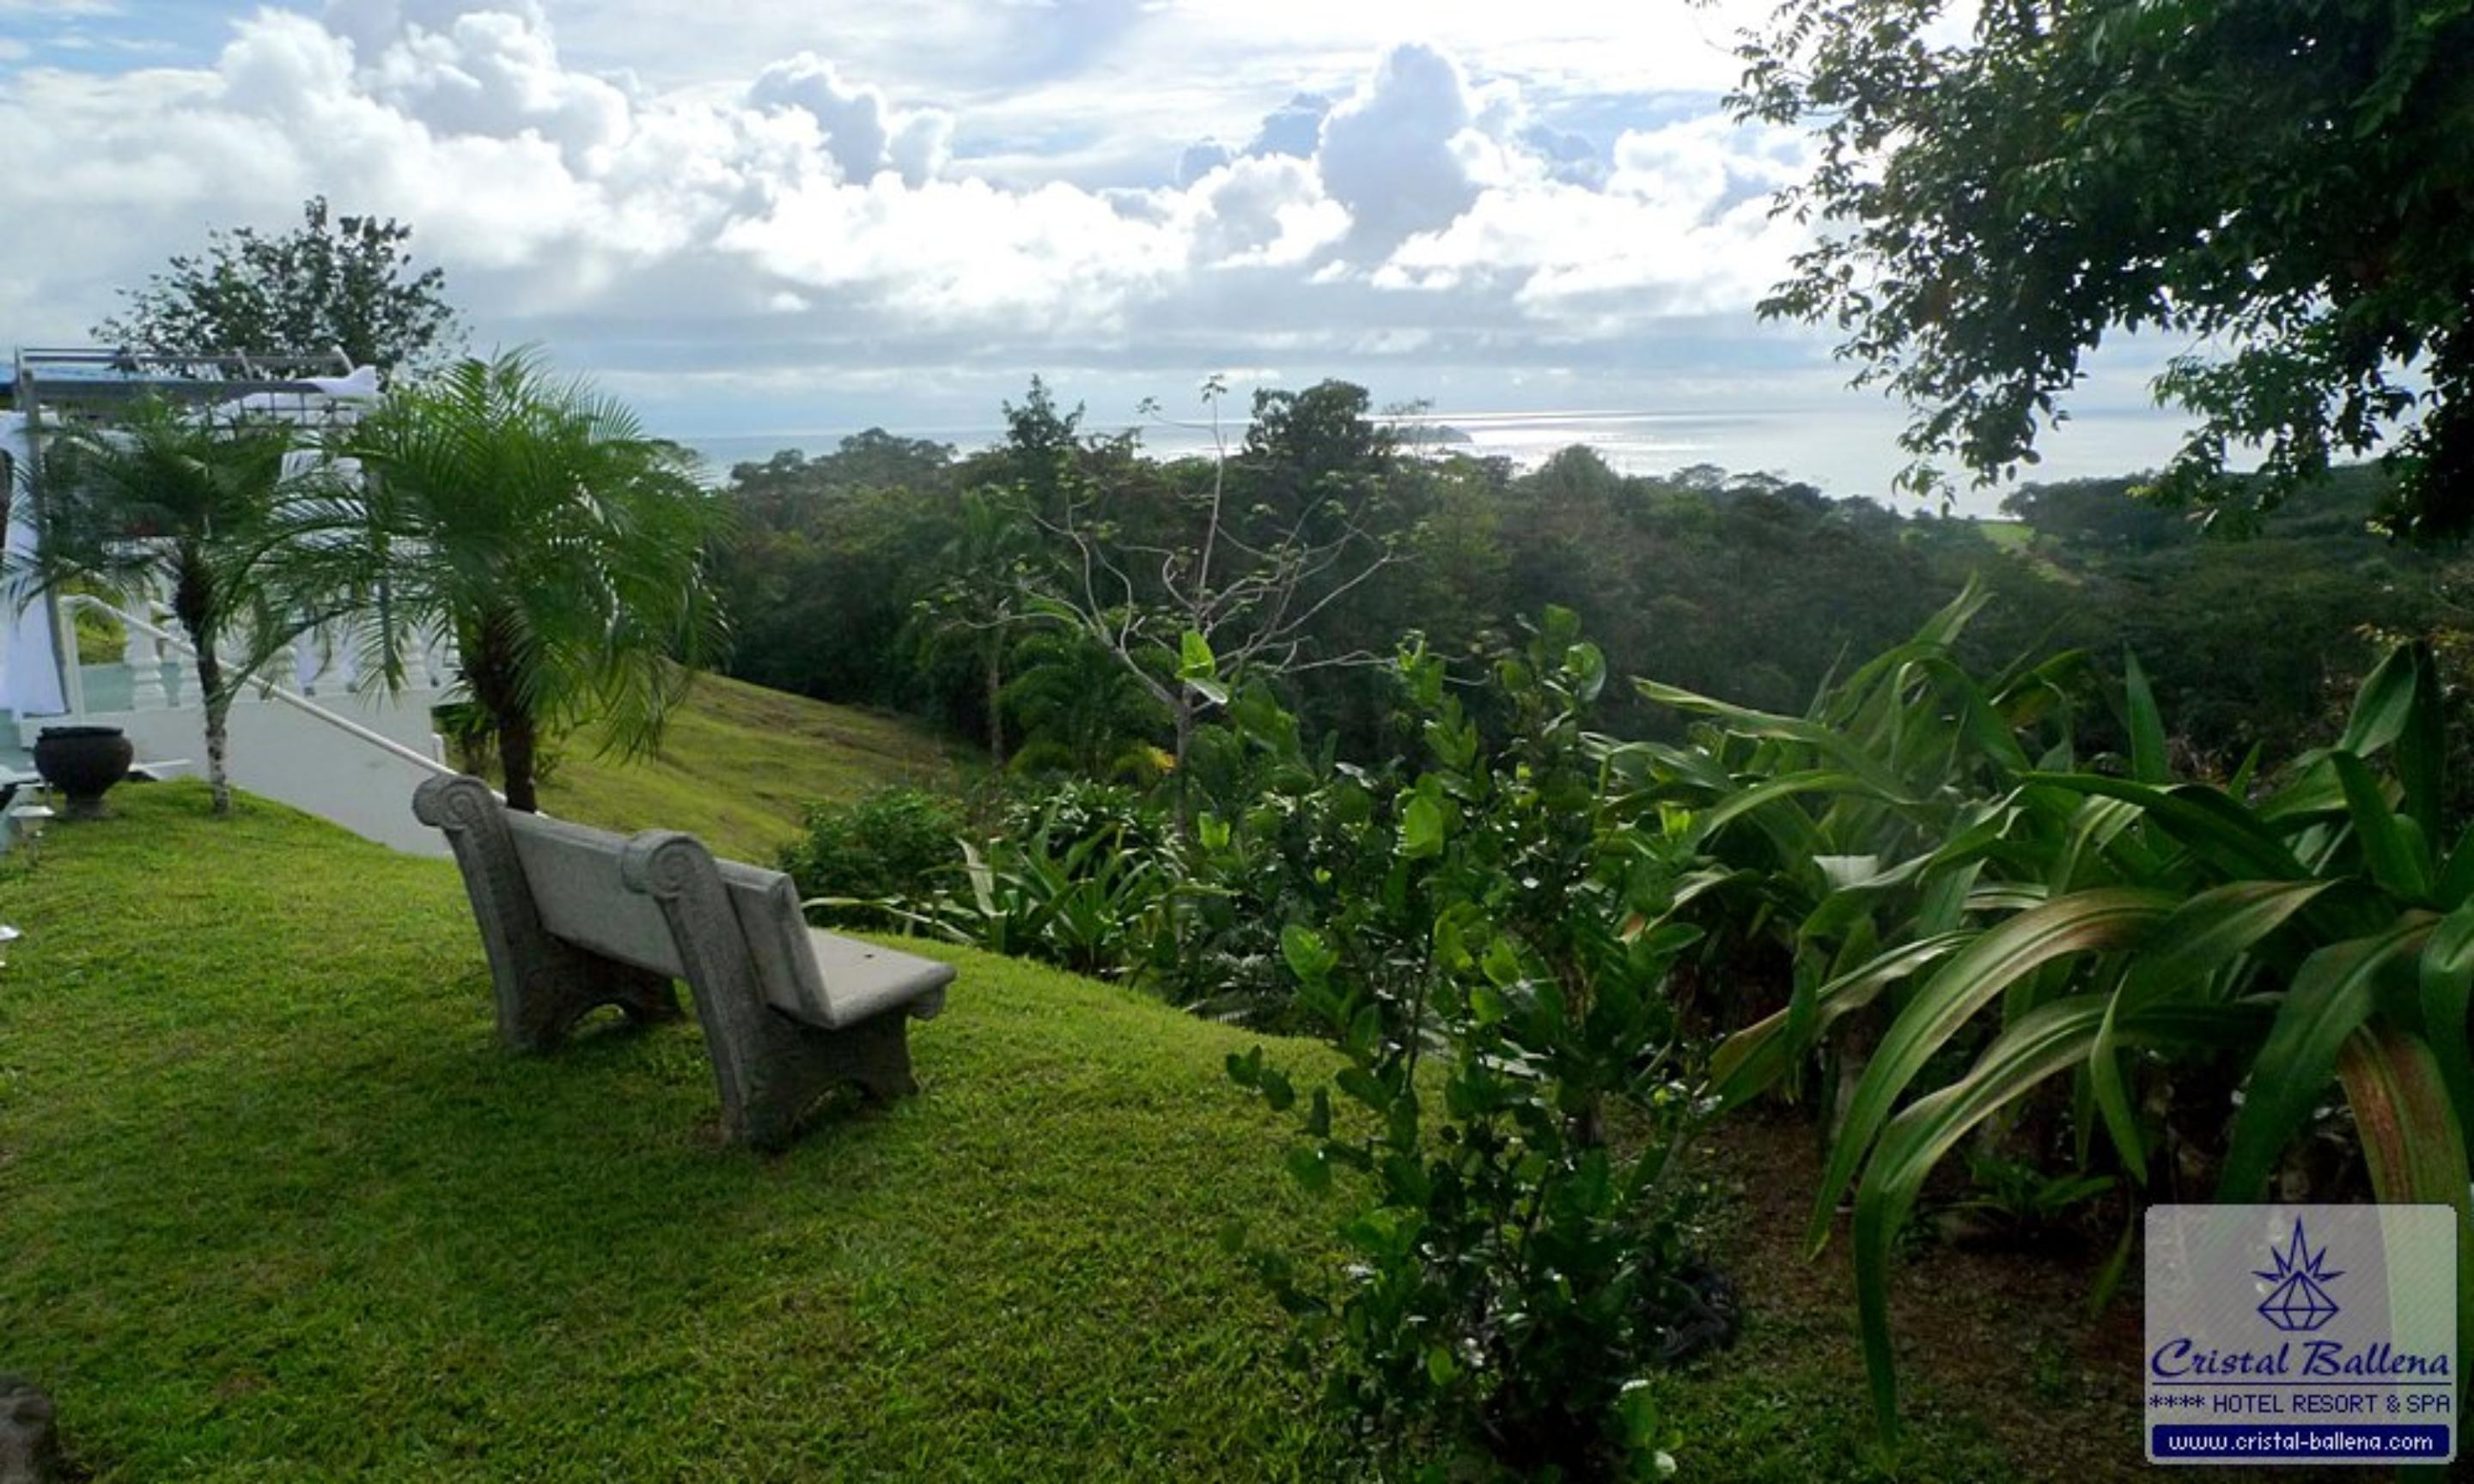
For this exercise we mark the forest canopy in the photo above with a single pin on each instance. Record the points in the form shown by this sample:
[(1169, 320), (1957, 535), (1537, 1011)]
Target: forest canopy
[(874, 573)]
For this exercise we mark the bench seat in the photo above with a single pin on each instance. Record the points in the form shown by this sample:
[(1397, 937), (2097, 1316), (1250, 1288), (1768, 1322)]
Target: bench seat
[(872, 981)]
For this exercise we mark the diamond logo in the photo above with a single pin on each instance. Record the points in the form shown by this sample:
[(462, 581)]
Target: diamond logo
[(2298, 1302)]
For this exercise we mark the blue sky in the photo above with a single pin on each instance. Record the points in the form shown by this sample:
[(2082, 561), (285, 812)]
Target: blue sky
[(757, 216)]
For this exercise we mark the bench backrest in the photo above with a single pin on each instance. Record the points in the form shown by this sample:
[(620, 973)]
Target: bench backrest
[(574, 875)]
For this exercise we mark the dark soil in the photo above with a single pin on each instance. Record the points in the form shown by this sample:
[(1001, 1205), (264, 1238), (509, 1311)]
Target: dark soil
[(2001, 1340)]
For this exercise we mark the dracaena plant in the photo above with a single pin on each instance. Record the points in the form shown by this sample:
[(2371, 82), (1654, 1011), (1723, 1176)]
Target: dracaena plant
[(1502, 1135), (2113, 929), (1870, 819)]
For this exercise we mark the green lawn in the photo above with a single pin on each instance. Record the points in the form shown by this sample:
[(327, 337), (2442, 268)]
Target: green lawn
[(2015, 535), (740, 765), (273, 1207)]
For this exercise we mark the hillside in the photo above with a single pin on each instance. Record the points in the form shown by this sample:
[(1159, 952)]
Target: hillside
[(740, 765), (274, 1205)]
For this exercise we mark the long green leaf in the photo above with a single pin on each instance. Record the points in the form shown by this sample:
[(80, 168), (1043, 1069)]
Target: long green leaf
[(2099, 921), (2446, 999), (2391, 850), (2202, 936), (2044, 1042), (2203, 821), (2331, 996), (2414, 1142), (1980, 722), (2422, 749), (2095, 826), (1786, 786), (2412, 1139), (1826, 741), (2384, 706), (1756, 1057), (2456, 884), (2147, 760)]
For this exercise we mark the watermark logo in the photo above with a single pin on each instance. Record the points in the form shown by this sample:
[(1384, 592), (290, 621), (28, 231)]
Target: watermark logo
[(2299, 1304), (2301, 1335)]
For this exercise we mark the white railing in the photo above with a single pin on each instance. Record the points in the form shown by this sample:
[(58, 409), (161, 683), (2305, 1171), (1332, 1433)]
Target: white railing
[(148, 648)]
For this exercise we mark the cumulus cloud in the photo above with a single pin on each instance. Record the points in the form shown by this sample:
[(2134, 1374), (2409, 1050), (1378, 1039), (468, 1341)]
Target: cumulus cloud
[(1262, 211), (493, 73), (1682, 227), (861, 131), (1397, 153), (1293, 128), (803, 216), (1202, 157)]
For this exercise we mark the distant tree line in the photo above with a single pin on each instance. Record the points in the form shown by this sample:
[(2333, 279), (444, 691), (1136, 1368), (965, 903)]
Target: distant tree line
[(1031, 594)]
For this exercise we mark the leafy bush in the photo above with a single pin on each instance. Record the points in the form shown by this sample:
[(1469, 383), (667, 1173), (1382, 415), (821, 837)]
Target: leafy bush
[(1072, 810), (2016, 1201), (1870, 815), (2167, 945), (1081, 710), (1504, 1134), (889, 845), (1073, 875)]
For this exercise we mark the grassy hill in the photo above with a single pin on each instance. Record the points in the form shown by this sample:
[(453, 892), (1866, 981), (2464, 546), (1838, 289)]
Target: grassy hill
[(740, 765), (275, 1207), (2008, 534)]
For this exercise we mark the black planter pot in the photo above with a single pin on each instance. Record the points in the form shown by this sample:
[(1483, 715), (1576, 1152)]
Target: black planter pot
[(81, 762)]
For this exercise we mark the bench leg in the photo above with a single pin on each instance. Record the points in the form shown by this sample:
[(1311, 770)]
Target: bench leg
[(772, 1071), (537, 1013)]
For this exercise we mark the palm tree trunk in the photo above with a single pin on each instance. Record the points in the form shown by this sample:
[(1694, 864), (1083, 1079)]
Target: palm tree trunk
[(992, 660), (194, 604), (217, 705), (491, 675), (515, 738)]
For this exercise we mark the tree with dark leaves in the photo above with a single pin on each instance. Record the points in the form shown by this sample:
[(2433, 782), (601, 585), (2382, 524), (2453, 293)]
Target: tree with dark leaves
[(2284, 185), (344, 283)]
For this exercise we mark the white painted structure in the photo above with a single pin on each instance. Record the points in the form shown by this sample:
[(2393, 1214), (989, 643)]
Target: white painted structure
[(312, 739), (30, 671), (311, 736)]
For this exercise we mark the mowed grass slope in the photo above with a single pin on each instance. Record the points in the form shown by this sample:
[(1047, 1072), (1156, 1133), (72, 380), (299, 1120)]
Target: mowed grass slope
[(738, 766), (275, 1207)]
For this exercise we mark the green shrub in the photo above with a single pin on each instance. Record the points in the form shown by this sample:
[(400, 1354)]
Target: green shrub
[(1502, 1142), (100, 637), (1074, 875), (1073, 810), (891, 845), (2128, 949)]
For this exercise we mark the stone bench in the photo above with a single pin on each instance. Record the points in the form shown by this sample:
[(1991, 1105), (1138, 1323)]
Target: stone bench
[(574, 919)]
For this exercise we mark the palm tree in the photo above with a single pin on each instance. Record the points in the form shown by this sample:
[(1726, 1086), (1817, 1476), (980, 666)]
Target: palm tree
[(168, 497), (529, 519), (1082, 711), (979, 600)]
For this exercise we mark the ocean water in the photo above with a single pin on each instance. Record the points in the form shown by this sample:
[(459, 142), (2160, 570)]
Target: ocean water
[(1633, 441), (1846, 449)]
